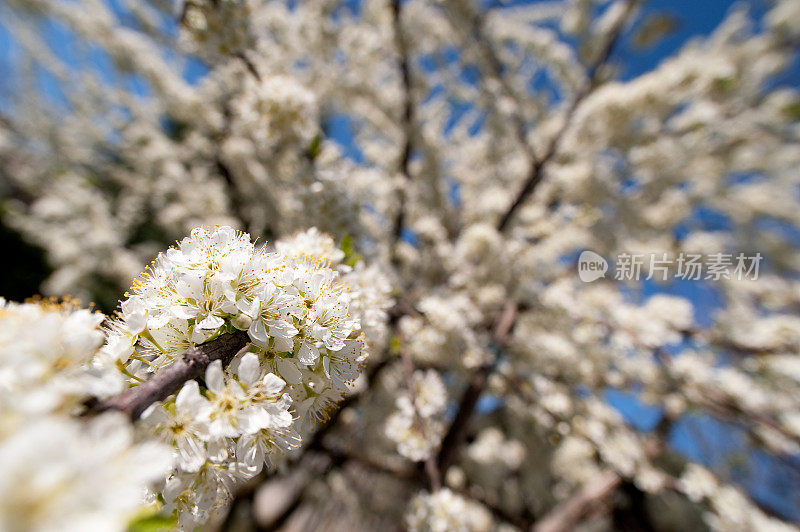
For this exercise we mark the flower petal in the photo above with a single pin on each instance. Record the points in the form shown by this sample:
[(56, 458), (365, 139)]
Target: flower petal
[(211, 322), (249, 369), (214, 379)]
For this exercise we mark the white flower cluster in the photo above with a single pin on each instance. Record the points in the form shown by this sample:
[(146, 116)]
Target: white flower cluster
[(491, 448), (47, 352), (601, 437), (222, 436), (368, 287), (574, 462), (446, 511), (416, 427), (60, 473), (277, 109), (306, 350), (313, 243), (444, 332)]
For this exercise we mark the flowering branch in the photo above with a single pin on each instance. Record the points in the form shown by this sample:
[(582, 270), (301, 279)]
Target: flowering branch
[(568, 514), (191, 365), (536, 172), (469, 399), (431, 467), (494, 68), (316, 444)]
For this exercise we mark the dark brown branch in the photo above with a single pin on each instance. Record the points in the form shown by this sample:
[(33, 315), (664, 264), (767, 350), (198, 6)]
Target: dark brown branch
[(632, 513), (184, 12), (251, 67), (476, 385), (536, 172), (235, 196), (408, 115), (340, 457), (238, 200), (191, 365), (466, 406)]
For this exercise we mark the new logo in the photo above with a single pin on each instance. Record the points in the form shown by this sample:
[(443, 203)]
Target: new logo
[(591, 266)]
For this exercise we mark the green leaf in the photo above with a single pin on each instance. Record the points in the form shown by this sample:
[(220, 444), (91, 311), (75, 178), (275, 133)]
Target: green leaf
[(792, 111), (394, 345), (351, 256), (724, 85), (153, 523), (315, 147)]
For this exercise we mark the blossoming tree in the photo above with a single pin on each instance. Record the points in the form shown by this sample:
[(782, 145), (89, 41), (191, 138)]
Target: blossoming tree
[(412, 343)]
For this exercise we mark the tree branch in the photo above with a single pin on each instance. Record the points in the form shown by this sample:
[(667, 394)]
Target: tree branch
[(469, 399), (431, 467), (405, 160), (495, 67), (168, 380), (536, 172), (408, 115), (569, 513), (592, 497)]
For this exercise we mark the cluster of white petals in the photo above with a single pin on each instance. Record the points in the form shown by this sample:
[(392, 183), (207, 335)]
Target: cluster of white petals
[(60, 472), (416, 426), (444, 332), (446, 511), (491, 448), (277, 109), (306, 350)]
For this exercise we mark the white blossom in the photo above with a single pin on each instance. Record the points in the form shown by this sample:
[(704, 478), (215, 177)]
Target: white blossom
[(443, 511)]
